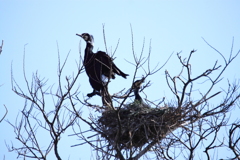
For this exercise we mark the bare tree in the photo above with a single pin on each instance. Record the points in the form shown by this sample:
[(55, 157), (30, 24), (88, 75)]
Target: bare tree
[(125, 130), (36, 116), (184, 123)]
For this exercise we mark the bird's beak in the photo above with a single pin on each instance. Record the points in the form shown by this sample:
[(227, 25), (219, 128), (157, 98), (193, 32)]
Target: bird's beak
[(79, 35)]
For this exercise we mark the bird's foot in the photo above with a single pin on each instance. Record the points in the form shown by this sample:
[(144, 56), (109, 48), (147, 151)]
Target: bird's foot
[(93, 94)]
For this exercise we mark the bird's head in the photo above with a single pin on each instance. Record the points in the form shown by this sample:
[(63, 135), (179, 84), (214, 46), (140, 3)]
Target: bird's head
[(137, 84), (87, 37)]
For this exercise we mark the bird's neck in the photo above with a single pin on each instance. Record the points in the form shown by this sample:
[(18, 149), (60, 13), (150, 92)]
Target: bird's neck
[(88, 53), (89, 48), (137, 96)]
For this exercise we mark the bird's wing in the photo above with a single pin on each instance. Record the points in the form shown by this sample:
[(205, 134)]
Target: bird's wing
[(107, 64)]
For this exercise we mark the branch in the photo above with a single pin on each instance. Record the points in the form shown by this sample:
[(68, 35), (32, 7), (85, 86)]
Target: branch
[(4, 114)]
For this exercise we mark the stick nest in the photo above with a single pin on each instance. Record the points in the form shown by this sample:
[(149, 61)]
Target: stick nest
[(136, 125)]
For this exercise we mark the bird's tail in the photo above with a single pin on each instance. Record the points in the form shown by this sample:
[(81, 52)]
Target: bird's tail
[(119, 72)]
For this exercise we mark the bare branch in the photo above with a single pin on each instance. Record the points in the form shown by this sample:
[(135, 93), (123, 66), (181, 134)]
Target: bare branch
[(4, 114)]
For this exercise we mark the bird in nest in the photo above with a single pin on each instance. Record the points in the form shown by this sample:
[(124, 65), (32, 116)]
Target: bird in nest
[(138, 102)]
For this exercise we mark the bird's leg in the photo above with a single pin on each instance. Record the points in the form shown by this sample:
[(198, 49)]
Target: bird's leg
[(106, 98)]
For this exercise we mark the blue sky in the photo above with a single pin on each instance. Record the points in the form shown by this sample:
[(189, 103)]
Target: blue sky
[(172, 26)]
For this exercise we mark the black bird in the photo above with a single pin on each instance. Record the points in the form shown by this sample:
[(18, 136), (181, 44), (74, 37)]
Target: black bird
[(98, 65), (135, 87), (138, 103)]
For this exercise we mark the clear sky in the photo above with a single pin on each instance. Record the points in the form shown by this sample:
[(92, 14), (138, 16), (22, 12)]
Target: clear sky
[(172, 26)]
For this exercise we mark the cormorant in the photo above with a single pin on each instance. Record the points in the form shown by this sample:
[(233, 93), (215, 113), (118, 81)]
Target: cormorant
[(135, 87), (97, 65), (138, 104)]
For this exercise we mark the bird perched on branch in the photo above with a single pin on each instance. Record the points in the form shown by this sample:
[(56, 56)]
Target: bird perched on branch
[(98, 65)]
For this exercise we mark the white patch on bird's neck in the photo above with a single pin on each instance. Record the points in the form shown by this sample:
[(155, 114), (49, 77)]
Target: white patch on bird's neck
[(91, 40), (90, 43)]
